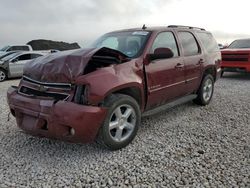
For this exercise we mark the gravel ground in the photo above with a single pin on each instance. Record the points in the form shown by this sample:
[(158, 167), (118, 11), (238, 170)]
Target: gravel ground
[(189, 146)]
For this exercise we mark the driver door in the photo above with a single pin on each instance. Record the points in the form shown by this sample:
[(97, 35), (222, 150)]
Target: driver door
[(165, 77)]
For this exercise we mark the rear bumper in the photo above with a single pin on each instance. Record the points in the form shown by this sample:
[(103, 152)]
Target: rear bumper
[(62, 120), (235, 67)]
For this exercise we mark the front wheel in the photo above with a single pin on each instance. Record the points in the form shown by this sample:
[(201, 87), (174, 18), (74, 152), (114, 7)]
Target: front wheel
[(3, 75), (121, 123), (206, 90)]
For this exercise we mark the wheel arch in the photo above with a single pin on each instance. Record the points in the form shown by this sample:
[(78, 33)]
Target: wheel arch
[(210, 70), (132, 91)]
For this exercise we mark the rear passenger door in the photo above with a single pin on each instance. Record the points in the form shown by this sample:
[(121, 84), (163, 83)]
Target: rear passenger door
[(193, 60)]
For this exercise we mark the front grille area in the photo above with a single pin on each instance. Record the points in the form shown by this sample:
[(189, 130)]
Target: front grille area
[(49, 85), (50, 91), (35, 93), (243, 57)]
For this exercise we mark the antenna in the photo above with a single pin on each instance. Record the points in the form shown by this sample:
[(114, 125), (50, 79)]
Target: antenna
[(144, 27)]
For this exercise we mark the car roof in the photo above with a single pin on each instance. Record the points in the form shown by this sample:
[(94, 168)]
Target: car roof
[(162, 28)]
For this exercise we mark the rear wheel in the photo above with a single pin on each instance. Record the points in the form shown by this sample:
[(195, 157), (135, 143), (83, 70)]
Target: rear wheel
[(121, 123), (3, 75), (206, 90)]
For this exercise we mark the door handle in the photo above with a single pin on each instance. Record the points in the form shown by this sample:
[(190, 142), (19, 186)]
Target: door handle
[(179, 65)]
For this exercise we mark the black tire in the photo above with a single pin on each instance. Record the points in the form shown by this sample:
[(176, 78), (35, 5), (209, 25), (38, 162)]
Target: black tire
[(3, 75), (203, 99), (107, 135), (221, 74)]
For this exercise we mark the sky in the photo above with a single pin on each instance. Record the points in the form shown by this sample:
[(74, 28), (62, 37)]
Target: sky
[(83, 21)]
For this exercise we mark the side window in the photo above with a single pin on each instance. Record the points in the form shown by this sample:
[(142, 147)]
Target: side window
[(208, 42), (22, 48), (165, 40), (189, 44), (33, 56), (15, 48), (24, 57)]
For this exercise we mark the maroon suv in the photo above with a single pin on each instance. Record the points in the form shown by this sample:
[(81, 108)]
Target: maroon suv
[(100, 93)]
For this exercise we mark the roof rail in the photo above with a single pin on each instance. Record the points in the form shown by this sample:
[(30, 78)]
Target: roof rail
[(187, 27)]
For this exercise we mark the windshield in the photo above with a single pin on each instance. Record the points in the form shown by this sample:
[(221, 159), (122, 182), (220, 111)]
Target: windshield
[(240, 44), (8, 57), (130, 43), (4, 48), (7, 54)]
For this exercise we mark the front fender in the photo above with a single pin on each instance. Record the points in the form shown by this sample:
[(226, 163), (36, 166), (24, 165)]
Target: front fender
[(105, 81)]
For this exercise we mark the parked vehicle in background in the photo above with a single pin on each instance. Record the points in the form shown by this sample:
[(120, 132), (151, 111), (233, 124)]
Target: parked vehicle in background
[(6, 54), (15, 48), (236, 57), (100, 93), (12, 64)]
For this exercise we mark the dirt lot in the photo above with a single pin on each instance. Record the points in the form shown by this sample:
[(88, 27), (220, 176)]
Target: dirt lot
[(188, 145)]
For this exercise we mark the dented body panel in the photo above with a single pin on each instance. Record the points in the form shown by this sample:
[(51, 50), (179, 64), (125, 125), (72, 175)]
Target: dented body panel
[(62, 95), (55, 120)]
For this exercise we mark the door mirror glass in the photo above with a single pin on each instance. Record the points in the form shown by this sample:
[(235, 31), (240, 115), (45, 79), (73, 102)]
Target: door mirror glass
[(161, 53)]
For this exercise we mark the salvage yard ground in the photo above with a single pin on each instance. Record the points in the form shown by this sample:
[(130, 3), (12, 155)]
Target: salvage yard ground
[(188, 145)]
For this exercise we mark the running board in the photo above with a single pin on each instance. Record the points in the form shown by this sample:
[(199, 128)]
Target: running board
[(169, 105)]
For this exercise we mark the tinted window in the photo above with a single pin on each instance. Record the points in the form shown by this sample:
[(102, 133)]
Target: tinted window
[(24, 57), (23, 48), (165, 40), (189, 44), (208, 42)]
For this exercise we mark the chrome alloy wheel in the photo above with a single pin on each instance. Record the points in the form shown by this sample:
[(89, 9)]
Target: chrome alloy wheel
[(2, 76), (122, 123), (208, 90)]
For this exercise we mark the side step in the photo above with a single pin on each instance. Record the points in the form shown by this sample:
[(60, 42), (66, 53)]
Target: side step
[(169, 105)]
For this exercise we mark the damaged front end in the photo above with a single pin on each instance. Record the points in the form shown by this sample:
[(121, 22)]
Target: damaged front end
[(49, 102)]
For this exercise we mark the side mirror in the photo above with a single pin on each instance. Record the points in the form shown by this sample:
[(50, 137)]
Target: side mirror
[(161, 53)]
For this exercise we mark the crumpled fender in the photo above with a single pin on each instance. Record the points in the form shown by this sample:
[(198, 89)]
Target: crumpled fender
[(107, 80)]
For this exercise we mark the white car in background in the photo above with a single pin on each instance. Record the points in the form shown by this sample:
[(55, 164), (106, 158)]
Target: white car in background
[(15, 48), (12, 65)]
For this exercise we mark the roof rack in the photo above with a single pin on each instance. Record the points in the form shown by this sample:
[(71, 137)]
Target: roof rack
[(187, 27)]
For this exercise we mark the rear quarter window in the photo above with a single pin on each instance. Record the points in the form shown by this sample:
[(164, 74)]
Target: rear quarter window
[(208, 42)]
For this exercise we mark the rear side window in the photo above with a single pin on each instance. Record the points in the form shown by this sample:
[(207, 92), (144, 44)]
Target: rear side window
[(16, 48), (165, 40), (208, 42), (189, 44), (24, 57)]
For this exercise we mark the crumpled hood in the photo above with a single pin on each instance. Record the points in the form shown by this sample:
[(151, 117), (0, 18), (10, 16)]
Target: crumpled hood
[(65, 67)]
